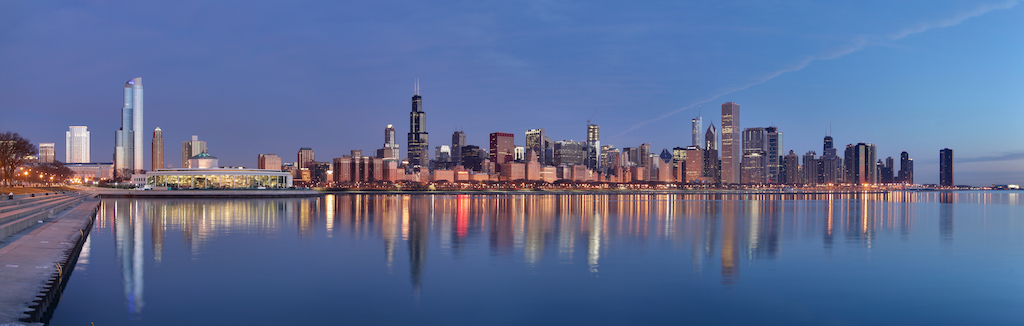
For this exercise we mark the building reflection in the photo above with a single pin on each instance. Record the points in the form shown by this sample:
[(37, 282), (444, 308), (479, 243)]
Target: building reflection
[(718, 231)]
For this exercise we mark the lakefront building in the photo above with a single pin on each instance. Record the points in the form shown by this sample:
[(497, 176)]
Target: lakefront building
[(128, 140), (205, 174)]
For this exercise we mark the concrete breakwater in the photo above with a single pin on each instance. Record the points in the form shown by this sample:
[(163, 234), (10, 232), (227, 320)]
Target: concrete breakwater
[(36, 263)]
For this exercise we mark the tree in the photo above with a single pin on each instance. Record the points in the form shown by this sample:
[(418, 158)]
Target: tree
[(13, 150)]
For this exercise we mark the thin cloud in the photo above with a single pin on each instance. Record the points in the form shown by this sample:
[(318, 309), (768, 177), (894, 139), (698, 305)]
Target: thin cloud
[(857, 44), (1009, 156)]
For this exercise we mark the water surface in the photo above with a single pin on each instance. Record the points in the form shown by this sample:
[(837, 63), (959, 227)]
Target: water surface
[(900, 258)]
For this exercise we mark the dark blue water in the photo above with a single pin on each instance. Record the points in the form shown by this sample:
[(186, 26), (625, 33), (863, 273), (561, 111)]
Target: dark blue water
[(900, 258)]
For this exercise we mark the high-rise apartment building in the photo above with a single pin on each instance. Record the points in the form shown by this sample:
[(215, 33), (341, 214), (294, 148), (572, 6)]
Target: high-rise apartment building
[(418, 148), (860, 164), (128, 140), (731, 153), (157, 148), (77, 145), (502, 148), (810, 170), (46, 152), (268, 162), (792, 168), (906, 173), (774, 152), (305, 157), (390, 151), (946, 167), (458, 142), (697, 131), (535, 142), (593, 160), (190, 148)]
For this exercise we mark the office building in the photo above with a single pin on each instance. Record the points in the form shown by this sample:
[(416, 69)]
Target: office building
[(946, 167), (418, 148), (305, 157), (128, 139), (731, 146), (473, 157), (593, 160), (712, 165), (830, 169), (268, 162), (568, 152), (458, 142), (46, 152), (774, 155), (535, 141), (157, 150), (77, 149), (885, 171), (860, 164), (390, 150), (754, 161), (502, 148), (810, 171), (191, 148)]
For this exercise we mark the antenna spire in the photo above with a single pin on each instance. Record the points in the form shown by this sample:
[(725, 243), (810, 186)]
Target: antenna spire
[(416, 87)]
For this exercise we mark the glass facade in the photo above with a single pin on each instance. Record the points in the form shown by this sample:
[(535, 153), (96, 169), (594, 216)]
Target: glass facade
[(218, 180)]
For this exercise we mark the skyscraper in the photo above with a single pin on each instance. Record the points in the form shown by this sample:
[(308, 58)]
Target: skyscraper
[(754, 162), (305, 157), (593, 161), (502, 147), (418, 150), (46, 152), (535, 142), (697, 130), (712, 166), (731, 154), (774, 155), (946, 167), (77, 145), (906, 174), (829, 168), (190, 148), (458, 142), (128, 140), (390, 150), (860, 164), (157, 161)]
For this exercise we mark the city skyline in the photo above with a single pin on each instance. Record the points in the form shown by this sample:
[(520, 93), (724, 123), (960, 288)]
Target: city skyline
[(848, 77)]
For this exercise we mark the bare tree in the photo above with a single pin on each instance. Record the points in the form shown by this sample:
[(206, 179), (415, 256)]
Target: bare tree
[(13, 150)]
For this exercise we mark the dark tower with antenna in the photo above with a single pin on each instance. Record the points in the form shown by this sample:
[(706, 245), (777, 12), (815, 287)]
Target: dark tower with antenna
[(418, 149)]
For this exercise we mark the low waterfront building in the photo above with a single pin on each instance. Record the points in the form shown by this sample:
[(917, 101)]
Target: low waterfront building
[(216, 178)]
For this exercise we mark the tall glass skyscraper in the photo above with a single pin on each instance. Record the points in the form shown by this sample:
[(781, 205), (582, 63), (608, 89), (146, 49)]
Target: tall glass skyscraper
[(593, 161), (128, 140)]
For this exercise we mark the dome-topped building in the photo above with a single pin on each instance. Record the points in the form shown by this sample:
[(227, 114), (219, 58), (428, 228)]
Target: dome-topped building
[(203, 161)]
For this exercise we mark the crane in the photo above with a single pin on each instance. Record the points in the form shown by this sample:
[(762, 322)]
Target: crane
[(592, 116)]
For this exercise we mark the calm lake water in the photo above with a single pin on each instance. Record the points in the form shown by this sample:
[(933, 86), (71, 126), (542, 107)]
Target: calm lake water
[(899, 258)]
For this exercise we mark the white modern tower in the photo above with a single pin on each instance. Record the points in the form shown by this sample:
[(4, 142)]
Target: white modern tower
[(128, 140), (77, 145)]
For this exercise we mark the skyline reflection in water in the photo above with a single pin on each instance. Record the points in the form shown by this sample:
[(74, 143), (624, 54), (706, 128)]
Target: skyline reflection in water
[(718, 233)]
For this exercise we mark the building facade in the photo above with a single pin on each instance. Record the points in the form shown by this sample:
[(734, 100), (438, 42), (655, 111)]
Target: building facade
[(731, 142), (157, 148), (418, 144), (774, 152), (946, 167), (502, 147), (190, 148), (268, 162), (860, 164), (535, 142), (128, 140), (46, 152), (593, 160), (77, 149)]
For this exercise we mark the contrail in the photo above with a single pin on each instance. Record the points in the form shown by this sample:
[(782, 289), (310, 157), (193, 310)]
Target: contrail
[(858, 44)]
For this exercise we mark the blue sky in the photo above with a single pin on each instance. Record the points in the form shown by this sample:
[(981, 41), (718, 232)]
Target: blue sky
[(271, 77)]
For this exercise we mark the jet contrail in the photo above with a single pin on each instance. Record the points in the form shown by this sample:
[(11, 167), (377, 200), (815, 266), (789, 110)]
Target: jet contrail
[(858, 44)]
